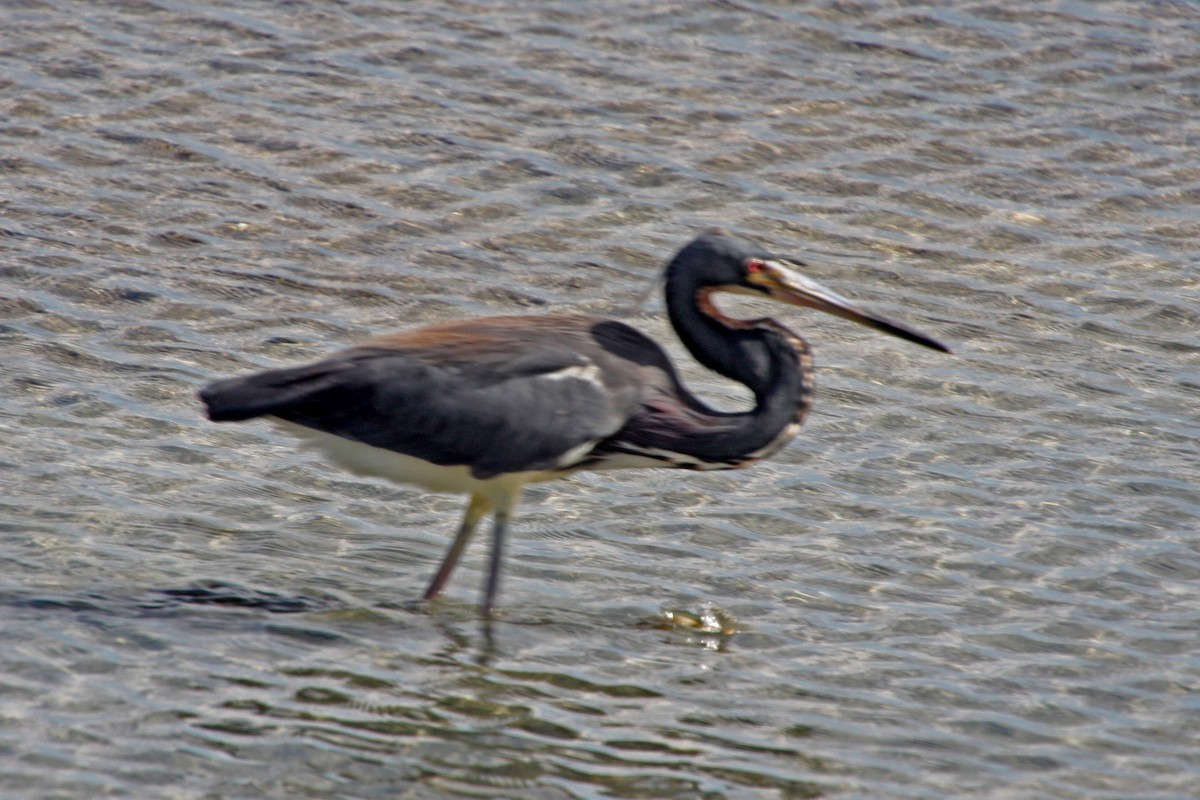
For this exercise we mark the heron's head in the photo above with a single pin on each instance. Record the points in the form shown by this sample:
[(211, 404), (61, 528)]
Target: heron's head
[(719, 262)]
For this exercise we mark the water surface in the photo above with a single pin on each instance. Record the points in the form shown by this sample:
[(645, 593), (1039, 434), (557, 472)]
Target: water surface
[(969, 577)]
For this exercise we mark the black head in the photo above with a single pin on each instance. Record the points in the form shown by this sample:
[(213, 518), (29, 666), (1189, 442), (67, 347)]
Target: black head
[(718, 261), (715, 259)]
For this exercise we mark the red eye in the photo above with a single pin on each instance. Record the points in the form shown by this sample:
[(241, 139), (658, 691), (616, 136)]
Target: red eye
[(754, 265)]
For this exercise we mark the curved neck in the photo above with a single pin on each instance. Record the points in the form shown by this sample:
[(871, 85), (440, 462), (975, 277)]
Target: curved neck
[(770, 360)]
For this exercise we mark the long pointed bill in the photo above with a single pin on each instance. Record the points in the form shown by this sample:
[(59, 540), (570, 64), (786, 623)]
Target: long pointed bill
[(787, 286)]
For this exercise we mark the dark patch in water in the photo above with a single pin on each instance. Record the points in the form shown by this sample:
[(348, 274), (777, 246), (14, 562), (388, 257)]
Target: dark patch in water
[(228, 594), (217, 593)]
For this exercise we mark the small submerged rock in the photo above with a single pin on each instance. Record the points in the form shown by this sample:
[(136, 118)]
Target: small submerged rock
[(706, 619)]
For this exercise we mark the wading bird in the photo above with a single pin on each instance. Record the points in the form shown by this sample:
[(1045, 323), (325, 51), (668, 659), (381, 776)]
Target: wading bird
[(485, 406)]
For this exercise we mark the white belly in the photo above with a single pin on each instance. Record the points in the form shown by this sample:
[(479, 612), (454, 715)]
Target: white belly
[(376, 462)]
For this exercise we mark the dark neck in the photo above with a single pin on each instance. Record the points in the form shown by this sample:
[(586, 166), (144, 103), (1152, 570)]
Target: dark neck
[(761, 354)]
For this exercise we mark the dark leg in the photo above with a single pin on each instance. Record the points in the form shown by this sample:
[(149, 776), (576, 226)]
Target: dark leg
[(503, 512), (476, 510)]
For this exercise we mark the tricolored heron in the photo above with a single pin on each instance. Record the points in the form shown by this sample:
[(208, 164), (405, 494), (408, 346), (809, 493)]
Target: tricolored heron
[(485, 406)]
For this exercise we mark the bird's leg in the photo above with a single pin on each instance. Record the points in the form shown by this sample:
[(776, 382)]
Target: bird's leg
[(504, 509), (476, 510)]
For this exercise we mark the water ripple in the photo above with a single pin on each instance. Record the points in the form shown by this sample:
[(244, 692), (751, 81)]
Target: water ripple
[(969, 577)]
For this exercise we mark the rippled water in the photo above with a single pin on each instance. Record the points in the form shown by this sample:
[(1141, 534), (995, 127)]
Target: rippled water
[(969, 577)]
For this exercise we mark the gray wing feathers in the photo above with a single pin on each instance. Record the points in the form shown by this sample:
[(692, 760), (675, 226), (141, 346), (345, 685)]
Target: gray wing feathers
[(493, 416)]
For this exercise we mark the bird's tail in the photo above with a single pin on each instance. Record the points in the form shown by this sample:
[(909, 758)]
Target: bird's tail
[(265, 393)]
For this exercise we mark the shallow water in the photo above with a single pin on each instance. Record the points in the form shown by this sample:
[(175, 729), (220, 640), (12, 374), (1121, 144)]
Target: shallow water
[(969, 577)]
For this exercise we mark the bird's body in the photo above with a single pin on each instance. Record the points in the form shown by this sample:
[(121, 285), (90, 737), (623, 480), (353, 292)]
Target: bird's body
[(485, 406), (470, 407)]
